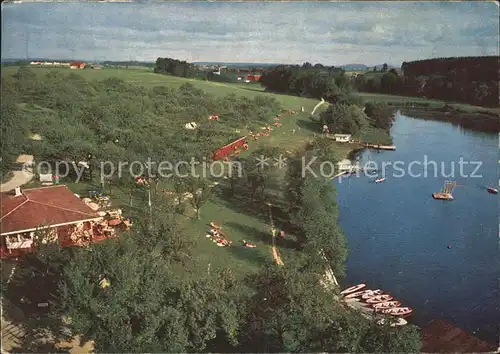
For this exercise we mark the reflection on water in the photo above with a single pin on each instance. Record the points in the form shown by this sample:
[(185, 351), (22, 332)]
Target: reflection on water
[(399, 236), (479, 122)]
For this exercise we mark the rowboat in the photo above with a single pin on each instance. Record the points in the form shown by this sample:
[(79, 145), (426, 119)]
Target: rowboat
[(386, 305), (378, 180), (379, 298), (399, 322), (357, 294), (352, 289), (398, 311), (372, 293), (492, 190)]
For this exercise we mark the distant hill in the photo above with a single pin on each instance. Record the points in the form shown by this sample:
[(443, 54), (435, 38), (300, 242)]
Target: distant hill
[(363, 67)]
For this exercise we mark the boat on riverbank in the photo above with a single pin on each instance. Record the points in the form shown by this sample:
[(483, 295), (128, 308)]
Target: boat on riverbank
[(379, 298), (352, 289), (386, 305), (357, 294), (398, 311), (372, 293), (397, 322)]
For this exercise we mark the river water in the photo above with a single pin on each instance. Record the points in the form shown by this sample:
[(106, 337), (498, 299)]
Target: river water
[(440, 258)]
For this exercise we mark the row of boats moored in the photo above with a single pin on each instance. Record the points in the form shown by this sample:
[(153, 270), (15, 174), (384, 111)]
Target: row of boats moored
[(378, 300)]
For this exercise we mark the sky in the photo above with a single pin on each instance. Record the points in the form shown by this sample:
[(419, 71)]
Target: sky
[(331, 33)]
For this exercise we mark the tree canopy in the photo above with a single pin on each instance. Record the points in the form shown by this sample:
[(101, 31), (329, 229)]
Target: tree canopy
[(472, 80), (308, 81)]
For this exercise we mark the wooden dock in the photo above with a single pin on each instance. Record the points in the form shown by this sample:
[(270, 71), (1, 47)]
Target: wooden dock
[(378, 147), (366, 145)]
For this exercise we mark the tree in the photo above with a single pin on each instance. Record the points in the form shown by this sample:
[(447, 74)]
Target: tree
[(380, 115), (255, 178), (258, 167), (145, 306), (201, 191), (181, 186), (384, 67), (344, 118), (288, 311), (234, 176), (307, 81), (14, 131)]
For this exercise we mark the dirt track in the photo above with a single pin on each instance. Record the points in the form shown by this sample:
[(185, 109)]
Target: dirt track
[(19, 177), (276, 256)]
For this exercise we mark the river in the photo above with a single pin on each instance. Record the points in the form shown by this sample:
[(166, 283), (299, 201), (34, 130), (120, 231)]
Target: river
[(439, 258)]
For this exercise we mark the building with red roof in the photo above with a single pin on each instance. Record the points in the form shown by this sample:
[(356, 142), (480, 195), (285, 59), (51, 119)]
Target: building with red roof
[(55, 209), (77, 65)]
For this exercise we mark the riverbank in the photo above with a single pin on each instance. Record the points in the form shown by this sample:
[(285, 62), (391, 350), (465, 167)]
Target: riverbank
[(487, 123), (421, 102)]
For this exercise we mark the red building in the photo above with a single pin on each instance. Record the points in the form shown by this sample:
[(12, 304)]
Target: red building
[(56, 211), (253, 77), (229, 148), (77, 65)]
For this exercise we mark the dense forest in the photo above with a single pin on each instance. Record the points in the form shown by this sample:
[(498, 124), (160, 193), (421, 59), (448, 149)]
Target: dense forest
[(307, 80), (175, 67), (472, 80), (149, 291)]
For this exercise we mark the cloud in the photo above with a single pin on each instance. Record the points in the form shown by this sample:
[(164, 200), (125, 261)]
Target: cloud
[(327, 32)]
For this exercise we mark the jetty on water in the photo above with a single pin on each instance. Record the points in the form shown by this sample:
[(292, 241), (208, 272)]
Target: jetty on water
[(378, 146), (446, 192), (337, 138)]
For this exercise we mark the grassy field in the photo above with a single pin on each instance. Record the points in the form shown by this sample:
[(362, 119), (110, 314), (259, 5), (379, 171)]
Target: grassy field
[(148, 78), (240, 219)]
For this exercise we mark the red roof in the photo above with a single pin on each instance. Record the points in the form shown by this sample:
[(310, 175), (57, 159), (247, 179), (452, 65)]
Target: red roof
[(44, 206), (77, 63)]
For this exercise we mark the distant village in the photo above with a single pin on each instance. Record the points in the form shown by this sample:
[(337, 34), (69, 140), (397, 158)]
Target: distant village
[(71, 65)]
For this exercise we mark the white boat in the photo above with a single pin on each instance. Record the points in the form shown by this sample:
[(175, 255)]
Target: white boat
[(492, 190), (379, 298), (352, 289), (372, 293), (398, 311), (378, 180), (398, 322), (386, 305), (357, 294)]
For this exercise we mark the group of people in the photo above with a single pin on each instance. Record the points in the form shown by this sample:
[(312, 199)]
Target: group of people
[(218, 236), (220, 239)]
